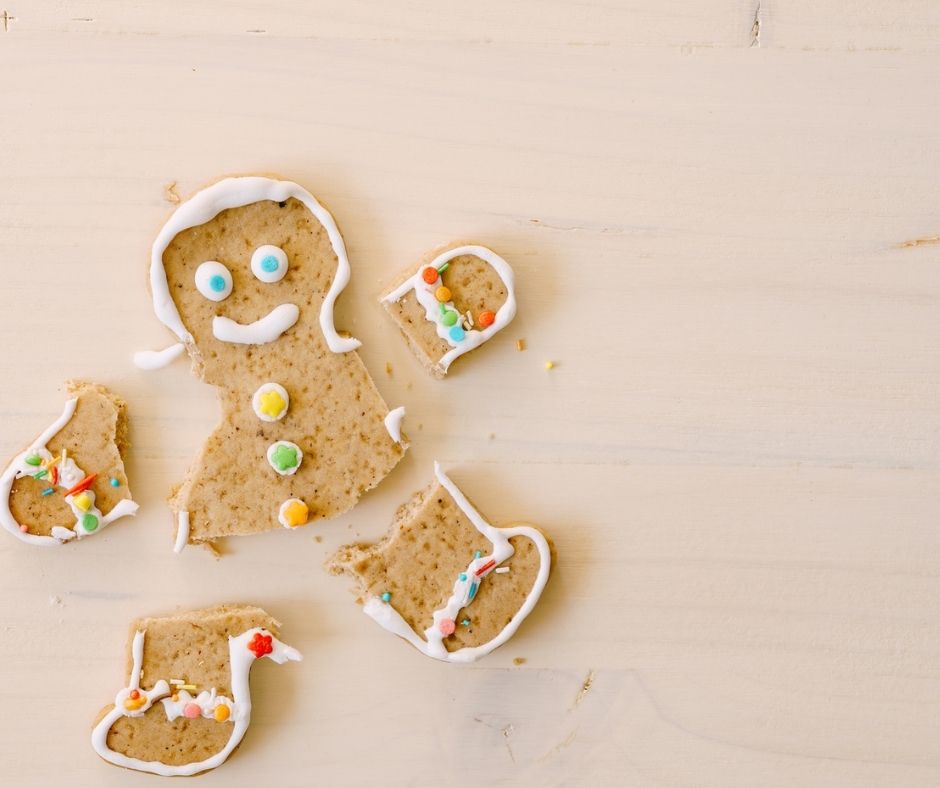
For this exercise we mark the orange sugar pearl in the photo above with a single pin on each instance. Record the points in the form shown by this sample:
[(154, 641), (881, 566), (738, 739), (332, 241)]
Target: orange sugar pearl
[(429, 275)]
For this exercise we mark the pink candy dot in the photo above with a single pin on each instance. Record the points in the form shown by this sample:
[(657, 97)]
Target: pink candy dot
[(447, 626), (192, 710), (24, 529)]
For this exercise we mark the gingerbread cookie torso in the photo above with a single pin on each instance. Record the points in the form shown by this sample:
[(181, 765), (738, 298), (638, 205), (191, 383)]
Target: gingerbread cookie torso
[(247, 273)]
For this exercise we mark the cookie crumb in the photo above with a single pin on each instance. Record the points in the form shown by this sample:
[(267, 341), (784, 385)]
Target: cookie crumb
[(549, 365), (520, 344), (169, 193), (318, 538), (518, 661), (388, 367)]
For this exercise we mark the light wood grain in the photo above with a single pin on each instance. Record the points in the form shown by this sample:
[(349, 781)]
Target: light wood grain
[(737, 452)]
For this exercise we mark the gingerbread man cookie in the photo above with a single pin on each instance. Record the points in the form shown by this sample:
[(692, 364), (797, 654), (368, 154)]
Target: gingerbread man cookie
[(246, 273)]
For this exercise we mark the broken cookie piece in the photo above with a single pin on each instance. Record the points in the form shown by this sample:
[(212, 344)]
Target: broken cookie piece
[(452, 302), (444, 579), (70, 483), (187, 703)]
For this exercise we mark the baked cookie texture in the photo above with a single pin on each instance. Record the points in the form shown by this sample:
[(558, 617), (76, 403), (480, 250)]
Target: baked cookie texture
[(302, 434), (446, 580), (452, 301), (187, 704), (70, 483)]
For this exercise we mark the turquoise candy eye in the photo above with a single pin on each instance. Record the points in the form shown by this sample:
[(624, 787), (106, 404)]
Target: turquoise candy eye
[(269, 264), (214, 280)]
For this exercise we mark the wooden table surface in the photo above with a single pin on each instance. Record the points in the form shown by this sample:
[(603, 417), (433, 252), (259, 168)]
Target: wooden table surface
[(724, 220)]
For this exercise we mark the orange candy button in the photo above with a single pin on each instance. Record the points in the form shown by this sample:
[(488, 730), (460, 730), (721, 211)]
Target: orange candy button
[(429, 275), (486, 318), (221, 713)]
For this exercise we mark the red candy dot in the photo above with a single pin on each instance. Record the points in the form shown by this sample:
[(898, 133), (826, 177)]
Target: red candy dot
[(429, 275), (134, 694), (447, 626), (260, 645), (486, 318), (192, 710)]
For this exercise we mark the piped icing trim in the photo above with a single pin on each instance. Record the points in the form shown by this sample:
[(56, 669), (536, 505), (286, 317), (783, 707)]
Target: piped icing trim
[(235, 193), (393, 423), (182, 532), (158, 359), (244, 650), (464, 590), (68, 475), (425, 294), (262, 331)]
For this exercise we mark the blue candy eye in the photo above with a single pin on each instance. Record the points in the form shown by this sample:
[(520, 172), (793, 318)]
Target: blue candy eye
[(214, 280), (269, 263)]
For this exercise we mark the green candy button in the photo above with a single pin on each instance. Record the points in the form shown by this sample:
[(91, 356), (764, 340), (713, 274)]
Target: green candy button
[(449, 317), (89, 522), (33, 459)]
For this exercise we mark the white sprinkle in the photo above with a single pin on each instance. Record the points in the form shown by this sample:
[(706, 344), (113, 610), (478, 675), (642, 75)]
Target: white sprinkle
[(501, 570), (177, 681)]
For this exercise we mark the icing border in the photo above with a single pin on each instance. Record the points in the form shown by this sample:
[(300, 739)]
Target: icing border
[(208, 203), (388, 618), (474, 337)]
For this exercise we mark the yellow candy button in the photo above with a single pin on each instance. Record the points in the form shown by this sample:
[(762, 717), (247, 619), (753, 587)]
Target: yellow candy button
[(82, 501), (221, 713), (442, 294), (293, 513)]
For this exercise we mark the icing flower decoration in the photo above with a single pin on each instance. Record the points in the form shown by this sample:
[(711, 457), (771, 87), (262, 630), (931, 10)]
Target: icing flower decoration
[(260, 645)]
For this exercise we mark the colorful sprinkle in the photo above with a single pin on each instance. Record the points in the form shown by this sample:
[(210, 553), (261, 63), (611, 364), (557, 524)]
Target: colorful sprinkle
[(285, 457), (192, 710), (89, 522), (487, 565), (114, 482), (55, 475), (442, 294), (473, 591), (82, 501), (486, 318), (47, 491), (462, 577), (549, 365), (429, 275), (33, 459), (443, 268), (501, 570), (272, 404), (260, 645), (83, 485), (447, 626), (134, 694), (41, 474), (386, 597), (449, 317), (465, 622), (270, 264), (456, 333), (477, 554), (221, 713)]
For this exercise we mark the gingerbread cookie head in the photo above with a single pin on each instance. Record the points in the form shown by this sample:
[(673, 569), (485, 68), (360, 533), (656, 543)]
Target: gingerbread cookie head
[(247, 268), (452, 302)]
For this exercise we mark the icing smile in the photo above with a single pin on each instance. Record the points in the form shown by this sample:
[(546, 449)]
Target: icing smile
[(262, 331)]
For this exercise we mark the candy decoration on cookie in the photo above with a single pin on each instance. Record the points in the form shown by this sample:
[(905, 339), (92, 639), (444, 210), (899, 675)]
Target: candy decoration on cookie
[(247, 273), (435, 519), (133, 732), (435, 299), (33, 482)]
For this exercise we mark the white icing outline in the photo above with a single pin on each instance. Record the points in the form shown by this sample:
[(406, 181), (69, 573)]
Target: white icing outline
[(59, 534), (474, 337), (235, 193), (182, 532), (240, 661), (150, 360), (393, 423), (387, 617), (261, 332)]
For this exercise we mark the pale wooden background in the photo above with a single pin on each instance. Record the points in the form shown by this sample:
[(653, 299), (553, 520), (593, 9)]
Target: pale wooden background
[(711, 208)]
